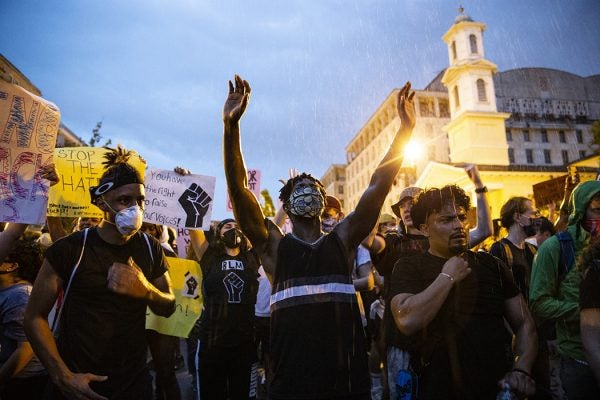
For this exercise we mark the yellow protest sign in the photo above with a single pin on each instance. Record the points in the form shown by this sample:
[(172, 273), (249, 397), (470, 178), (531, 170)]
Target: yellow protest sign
[(186, 280), (78, 169), (28, 129)]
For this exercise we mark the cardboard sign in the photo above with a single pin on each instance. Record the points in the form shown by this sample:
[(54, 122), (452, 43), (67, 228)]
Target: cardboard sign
[(253, 185), (78, 169), (186, 281), (28, 130), (550, 191), (180, 201)]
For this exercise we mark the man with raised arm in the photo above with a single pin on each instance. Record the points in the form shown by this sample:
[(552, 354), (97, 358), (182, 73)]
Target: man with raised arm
[(317, 342), (110, 274)]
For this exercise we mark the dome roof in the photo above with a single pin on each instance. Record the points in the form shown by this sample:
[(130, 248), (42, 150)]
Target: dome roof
[(462, 17)]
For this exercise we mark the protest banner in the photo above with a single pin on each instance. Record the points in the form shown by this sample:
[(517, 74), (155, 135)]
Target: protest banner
[(78, 169), (180, 201), (186, 281), (28, 130), (253, 185)]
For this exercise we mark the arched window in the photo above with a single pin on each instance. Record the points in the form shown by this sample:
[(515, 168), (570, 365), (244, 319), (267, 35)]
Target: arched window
[(481, 94), (456, 99), (473, 43), (453, 50)]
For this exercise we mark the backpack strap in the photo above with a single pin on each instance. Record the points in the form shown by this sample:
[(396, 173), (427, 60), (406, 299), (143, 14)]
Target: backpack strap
[(56, 320), (507, 253), (567, 254), (149, 247)]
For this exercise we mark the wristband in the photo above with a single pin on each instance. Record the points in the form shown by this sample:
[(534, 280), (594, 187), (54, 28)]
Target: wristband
[(450, 278), (523, 372), (481, 190)]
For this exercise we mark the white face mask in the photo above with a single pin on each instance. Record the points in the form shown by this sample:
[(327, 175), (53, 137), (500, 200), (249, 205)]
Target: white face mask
[(129, 220)]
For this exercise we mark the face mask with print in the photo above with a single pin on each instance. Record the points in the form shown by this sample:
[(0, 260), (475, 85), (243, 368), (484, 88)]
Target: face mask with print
[(592, 225), (306, 201), (232, 238), (129, 220)]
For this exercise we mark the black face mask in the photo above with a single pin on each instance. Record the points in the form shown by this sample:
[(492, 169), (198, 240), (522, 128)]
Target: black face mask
[(532, 228), (232, 238)]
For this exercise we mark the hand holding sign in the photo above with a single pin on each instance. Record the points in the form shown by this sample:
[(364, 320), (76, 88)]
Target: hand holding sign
[(195, 201)]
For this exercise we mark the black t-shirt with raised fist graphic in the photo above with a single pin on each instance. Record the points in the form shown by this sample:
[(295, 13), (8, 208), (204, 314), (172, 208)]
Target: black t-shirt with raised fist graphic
[(229, 287)]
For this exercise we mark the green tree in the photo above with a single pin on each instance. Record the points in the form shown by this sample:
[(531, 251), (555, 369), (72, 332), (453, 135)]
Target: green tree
[(97, 137)]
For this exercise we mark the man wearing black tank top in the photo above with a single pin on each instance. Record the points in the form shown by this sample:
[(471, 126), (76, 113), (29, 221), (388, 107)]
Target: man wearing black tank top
[(317, 341)]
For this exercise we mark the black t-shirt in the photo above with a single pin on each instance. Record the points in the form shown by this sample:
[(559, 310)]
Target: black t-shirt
[(229, 287), (102, 332), (469, 325), (396, 246), (589, 291), (317, 338), (522, 260)]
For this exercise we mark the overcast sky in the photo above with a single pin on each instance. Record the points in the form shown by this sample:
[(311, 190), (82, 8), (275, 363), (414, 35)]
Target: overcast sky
[(155, 72)]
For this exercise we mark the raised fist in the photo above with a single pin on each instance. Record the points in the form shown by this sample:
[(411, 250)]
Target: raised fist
[(195, 202)]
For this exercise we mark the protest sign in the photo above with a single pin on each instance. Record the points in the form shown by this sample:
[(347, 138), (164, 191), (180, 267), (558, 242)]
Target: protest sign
[(28, 130), (78, 169), (253, 185), (180, 201), (186, 281), (183, 241)]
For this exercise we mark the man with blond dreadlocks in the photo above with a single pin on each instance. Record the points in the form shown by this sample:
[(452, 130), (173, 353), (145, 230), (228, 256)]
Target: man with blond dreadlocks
[(109, 275)]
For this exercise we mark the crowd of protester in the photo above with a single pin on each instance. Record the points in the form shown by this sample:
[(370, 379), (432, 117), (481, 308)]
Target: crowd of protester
[(347, 305)]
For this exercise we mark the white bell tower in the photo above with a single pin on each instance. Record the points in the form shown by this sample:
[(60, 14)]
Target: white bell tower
[(476, 132)]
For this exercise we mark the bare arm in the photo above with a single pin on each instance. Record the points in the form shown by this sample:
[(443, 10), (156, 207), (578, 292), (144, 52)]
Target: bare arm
[(129, 280), (374, 243), (563, 217), (44, 294), (279, 218), (199, 243), (525, 345), (590, 336), (246, 208), (365, 280), (359, 223), (8, 236), (413, 312), (484, 226), (16, 362), (56, 228)]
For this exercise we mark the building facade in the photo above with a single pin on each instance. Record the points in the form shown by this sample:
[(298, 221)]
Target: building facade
[(520, 126)]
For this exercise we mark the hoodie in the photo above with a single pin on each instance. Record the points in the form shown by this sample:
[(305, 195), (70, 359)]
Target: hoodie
[(559, 301)]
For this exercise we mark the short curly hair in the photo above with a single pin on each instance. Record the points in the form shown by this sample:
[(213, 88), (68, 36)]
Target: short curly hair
[(432, 200), (286, 190), (26, 252)]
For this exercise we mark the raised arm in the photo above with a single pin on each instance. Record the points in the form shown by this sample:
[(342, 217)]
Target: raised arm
[(354, 228), (246, 208), (484, 226)]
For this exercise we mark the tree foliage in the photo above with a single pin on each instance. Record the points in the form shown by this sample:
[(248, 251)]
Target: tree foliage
[(97, 137), (596, 136)]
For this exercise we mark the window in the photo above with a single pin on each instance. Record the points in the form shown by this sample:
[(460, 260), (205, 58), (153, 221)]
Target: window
[(508, 135), (511, 156), (562, 137), (579, 136), (544, 136), (581, 153), (473, 43), (453, 46), (565, 156), (481, 94), (341, 189), (444, 108), (456, 99), (526, 135), (529, 155), (547, 157)]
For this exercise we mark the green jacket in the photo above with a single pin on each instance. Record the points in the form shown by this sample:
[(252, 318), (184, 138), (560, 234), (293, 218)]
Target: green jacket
[(550, 299)]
